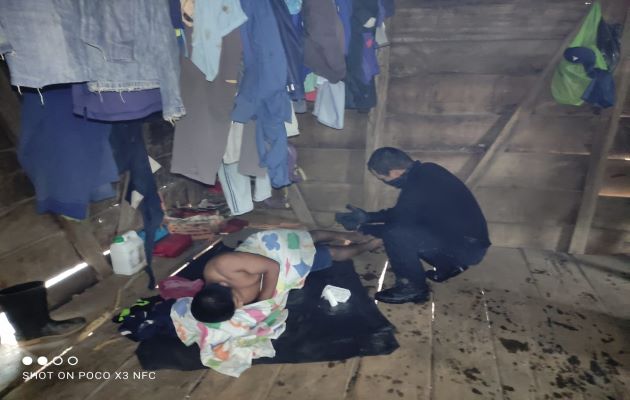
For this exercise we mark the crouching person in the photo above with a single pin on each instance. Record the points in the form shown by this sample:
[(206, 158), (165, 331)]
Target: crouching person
[(436, 219)]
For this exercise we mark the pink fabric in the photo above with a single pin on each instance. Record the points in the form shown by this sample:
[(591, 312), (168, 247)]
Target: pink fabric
[(311, 96), (176, 287)]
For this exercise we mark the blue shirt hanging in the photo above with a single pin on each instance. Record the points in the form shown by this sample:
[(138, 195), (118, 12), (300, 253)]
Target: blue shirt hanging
[(262, 94)]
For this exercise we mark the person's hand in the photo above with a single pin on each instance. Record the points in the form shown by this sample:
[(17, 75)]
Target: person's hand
[(353, 219)]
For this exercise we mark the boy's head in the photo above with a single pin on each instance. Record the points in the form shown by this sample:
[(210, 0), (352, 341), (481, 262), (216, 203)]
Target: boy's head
[(214, 303)]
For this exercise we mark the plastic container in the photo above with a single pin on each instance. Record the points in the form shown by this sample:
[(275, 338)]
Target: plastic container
[(127, 254)]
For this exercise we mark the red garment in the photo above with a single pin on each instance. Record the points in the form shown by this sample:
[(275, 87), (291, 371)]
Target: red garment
[(175, 287), (172, 246), (233, 225)]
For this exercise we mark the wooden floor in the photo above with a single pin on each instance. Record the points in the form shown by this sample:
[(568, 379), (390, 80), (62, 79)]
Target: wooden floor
[(522, 325)]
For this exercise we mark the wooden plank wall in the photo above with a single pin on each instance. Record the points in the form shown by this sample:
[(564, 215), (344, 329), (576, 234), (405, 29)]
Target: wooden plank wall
[(457, 71)]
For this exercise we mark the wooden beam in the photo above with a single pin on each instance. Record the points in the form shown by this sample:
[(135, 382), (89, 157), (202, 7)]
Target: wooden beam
[(602, 145), (10, 110), (299, 207), (126, 216), (524, 109), (85, 243), (372, 188)]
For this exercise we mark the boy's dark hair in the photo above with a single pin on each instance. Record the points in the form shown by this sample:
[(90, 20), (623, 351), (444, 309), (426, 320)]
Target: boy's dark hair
[(213, 303), (386, 159)]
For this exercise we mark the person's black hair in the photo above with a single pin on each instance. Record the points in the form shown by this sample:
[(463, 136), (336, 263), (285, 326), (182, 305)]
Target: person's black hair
[(386, 159), (214, 303)]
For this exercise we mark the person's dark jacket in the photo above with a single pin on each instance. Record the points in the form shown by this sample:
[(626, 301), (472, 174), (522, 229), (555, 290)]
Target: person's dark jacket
[(433, 197)]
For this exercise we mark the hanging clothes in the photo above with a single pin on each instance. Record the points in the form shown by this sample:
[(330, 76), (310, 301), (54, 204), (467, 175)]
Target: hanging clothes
[(294, 6), (601, 90), (201, 137), (131, 155), (389, 8), (112, 106), (361, 95), (369, 63), (324, 44), (344, 10), (235, 139), (238, 189), (234, 142), (262, 94), (140, 49), (213, 21), (249, 162), (45, 39), (330, 103), (293, 48), (5, 46), (67, 158), (115, 45)]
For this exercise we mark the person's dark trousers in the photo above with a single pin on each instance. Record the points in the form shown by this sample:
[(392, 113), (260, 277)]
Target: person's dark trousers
[(406, 245), (403, 245), (131, 155)]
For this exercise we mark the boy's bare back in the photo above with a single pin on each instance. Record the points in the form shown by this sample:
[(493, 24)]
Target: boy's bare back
[(252, 277)]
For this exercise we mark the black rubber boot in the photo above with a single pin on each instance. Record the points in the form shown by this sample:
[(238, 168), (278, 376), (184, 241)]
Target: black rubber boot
[(26, 307), (403, 293)]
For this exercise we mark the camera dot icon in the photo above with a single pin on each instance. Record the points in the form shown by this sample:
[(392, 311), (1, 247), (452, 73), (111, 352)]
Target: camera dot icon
[(27, 360), (42, 360)]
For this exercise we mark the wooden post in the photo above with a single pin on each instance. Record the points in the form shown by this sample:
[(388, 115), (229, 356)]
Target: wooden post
[(601, 148), (299, 207), (597, 166), (372, 190), (125, 217), (10, 110), (84, 242)]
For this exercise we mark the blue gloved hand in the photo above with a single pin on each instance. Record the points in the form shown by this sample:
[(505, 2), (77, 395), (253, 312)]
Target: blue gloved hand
[(353, 219)]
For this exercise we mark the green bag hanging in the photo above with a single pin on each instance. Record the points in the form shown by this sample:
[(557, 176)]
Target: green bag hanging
[(570, 80)]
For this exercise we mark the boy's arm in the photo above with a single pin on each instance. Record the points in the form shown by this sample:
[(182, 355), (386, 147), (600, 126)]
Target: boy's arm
[(269, 283), (270, 270)]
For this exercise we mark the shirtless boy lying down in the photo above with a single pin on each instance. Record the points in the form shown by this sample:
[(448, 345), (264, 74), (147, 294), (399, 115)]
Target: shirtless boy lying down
[(270, 263)]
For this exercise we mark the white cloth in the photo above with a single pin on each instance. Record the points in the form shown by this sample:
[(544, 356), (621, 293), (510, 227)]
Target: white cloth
[(292, 127), (235, 138), (234, 142), (381, 36), (330, 103), (213, 20), (237, 189)]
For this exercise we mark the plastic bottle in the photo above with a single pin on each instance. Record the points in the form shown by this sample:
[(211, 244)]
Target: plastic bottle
[(127, 253)]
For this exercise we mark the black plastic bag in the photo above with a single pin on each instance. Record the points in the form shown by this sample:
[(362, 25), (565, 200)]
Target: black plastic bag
[(609, 43)]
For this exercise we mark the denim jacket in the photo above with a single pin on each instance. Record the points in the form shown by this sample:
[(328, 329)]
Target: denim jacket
[(115, 45), (5, 46)]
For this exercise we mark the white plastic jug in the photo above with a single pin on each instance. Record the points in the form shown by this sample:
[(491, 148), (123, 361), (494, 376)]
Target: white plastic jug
[(127, 253)]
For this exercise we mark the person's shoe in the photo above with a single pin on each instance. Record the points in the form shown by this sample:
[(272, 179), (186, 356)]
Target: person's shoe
[(403, 294), (438, 275)]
